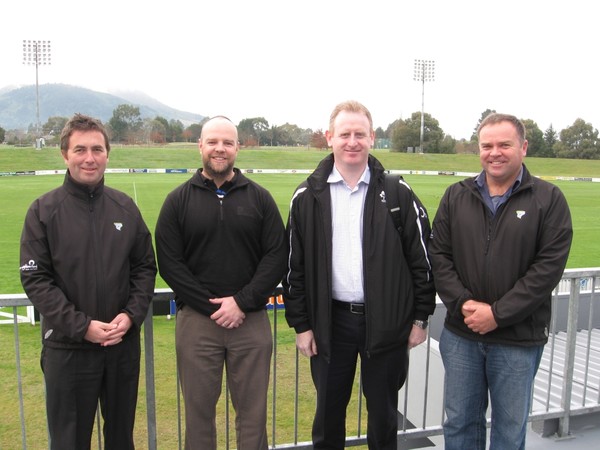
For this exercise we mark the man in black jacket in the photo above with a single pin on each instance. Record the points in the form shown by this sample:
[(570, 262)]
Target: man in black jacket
[(499, 245), (87, 265), (220, 242), (356, 285)]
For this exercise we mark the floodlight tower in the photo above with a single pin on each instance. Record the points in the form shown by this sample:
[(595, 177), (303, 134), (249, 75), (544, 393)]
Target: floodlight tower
[(424, 71), (37, 53)]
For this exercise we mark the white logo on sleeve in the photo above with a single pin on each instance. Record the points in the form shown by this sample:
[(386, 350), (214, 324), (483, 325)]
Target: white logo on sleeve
[(520, 214), (118, 226), (29, 267)]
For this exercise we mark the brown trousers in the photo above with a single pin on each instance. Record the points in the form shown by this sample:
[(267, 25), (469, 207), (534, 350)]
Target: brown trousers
[(203, 348)]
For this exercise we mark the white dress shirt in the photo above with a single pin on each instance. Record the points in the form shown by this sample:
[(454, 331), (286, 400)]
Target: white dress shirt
[(347, 207)]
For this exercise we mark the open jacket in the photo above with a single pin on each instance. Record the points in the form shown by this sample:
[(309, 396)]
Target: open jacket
[(398, 284), (512, 260)]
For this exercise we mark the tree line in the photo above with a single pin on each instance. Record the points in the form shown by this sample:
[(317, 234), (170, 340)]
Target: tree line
[(126, 126)]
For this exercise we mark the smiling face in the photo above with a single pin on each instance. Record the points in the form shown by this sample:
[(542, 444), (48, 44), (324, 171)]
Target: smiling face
[(351, 137), (501, 152), (86, 157), (218, 147)]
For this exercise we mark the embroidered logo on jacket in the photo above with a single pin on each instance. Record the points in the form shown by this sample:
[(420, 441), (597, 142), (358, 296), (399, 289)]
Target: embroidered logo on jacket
[(382, 195), (118, 226), (29, 267), (520, 213)]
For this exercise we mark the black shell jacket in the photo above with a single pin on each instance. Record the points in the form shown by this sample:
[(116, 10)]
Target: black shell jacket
[(512, 260), (398, 285), (86, 255)]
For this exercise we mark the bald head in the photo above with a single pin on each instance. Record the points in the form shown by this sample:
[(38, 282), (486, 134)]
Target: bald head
[(217, 121)]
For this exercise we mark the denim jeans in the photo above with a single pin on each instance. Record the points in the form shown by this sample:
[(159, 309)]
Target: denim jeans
[(472, 370)]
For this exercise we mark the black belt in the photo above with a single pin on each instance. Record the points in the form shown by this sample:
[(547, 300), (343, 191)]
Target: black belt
[(354, 308)]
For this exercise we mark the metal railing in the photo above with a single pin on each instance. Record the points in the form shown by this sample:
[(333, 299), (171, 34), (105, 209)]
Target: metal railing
[(567, 384)]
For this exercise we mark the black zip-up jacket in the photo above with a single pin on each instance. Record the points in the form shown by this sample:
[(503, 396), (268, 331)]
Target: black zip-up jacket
[(86, 254), (512, 260), (211, 247), (398, 285)]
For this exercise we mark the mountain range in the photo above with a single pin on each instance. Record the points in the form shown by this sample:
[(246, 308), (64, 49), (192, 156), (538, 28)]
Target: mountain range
[(18, 108)]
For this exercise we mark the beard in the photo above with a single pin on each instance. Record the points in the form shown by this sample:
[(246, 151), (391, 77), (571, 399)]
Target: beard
[(212, 170)]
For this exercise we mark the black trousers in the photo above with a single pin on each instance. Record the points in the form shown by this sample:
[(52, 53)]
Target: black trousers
[(382, 376), (77, 379)]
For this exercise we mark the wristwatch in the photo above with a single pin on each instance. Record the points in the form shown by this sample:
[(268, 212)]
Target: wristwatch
[(421, 324)]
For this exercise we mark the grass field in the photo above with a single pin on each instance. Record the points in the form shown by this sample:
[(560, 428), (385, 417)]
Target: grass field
[(17, 193), (149, 190)]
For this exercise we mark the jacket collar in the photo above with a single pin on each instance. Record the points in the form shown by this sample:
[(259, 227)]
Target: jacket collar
[(238, 179), (80, 190), (318, 179)]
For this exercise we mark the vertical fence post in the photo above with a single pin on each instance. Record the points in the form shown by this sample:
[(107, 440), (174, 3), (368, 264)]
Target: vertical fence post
[(564, 421), (150, 381)]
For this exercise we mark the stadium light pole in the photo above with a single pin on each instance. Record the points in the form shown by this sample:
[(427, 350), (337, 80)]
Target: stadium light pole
[(37, 53), (424, 71)]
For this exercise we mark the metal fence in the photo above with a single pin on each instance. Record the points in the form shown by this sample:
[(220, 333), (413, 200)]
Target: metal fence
[(567, 384)]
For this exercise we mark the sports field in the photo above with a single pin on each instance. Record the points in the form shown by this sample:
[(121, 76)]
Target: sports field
[(149, 190)]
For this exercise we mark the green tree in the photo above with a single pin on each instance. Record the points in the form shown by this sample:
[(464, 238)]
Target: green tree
[(318, 140), (447, 145), (157, 131), (407, 133), (251, 130), (193, 132), (54, 125), (292, 135), (579, 141), (535, 138), (550, 139), (125, 123), (2, 134), (484, 114), (175, 130)]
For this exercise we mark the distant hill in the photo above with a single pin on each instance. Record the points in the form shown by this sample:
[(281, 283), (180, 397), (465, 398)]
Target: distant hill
[(18, 105)]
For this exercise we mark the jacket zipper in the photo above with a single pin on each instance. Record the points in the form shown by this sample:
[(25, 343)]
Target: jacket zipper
[(98, 263)]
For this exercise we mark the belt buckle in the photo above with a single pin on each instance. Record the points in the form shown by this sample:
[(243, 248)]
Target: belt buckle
[(357, 308)]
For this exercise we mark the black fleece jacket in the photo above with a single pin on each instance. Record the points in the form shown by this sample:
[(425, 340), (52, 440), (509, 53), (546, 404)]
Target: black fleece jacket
[(211, 247)]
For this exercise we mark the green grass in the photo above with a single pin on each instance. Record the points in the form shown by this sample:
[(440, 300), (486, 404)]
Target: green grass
[(186, 155), (17, 193), (166, 391)]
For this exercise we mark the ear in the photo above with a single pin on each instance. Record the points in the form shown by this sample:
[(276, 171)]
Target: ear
[(328, 137)]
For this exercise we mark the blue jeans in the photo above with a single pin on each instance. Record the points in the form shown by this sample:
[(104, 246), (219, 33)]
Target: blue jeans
[(474, 368)]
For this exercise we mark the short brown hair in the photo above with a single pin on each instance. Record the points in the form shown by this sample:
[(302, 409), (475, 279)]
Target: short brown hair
[(495, 118), (349, 106), (81, 122)]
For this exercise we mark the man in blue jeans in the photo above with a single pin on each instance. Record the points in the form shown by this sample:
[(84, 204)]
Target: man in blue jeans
[(499, 245)]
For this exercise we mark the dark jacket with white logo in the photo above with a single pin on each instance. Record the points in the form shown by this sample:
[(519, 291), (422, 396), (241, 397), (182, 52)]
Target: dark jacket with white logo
[(512, 260), (398, 285), (86, 255)]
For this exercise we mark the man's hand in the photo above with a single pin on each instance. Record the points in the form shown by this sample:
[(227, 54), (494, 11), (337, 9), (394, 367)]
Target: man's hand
[(229, 315), (479, 317), (417, 336), (107, 334), (306, 344)]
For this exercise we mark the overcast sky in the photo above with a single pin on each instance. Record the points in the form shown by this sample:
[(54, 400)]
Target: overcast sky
[(292, 61)]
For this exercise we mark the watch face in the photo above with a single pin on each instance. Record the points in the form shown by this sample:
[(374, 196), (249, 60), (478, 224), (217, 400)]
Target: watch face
[(420, 323)]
